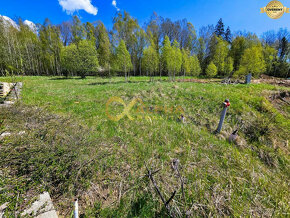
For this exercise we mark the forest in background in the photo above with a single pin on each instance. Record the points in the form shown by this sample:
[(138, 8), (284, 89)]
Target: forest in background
[(160, 47)]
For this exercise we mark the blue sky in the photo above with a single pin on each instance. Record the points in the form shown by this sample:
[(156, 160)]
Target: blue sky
[(238, 14)]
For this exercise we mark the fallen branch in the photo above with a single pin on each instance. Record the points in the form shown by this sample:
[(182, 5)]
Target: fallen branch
[(166, 203)]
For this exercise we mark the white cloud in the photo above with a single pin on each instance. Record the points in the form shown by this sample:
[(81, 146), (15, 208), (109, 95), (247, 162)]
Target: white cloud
[(9, 22), (114, 3), (31, 25), (70, 6)]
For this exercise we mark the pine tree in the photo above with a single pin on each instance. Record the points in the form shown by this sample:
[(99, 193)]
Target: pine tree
[(283, 49), (228, 35), (220, 28), (123, 59)]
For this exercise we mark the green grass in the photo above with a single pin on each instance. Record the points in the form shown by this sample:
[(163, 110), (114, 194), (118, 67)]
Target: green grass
[(249, 178)]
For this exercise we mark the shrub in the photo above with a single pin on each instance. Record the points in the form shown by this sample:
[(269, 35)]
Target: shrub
[(80, 58)]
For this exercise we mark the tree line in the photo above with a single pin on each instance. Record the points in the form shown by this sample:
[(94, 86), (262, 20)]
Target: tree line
[(161, 47)]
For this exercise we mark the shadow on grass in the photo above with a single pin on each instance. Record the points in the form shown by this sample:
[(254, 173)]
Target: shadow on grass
[(120, 82), (66, 78)]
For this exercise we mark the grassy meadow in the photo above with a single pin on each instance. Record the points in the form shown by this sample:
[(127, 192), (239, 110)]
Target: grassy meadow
[(71, 148)]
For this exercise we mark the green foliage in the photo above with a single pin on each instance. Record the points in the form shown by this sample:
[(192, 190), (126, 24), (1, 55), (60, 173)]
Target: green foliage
[(140, 43), (219, 54), (281, 69), (270, 55), (123, 59), (177, 58), (90, 32), (211, 70), (185, 62), (80, 59), (252, 62), (284, 49), (201, 51), (78, 30), (195, 68), (237, 50), (125, 28), (191, 41), (150, 60), (229, 66), (220, 28), (167, 57), (103, 45), (228, 35), (25, 51), (50, 45)]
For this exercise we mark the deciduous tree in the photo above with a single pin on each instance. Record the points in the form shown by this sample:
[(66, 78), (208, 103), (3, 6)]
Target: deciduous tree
[(185, 68), (211, 70), (80, 59), (150, 61), (123, 59), (195, 68), (252, 62), (103, 45)]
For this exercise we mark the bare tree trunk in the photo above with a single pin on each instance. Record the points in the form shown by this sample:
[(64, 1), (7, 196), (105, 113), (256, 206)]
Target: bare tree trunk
[(110, 72), (140, 66), (160, 70)]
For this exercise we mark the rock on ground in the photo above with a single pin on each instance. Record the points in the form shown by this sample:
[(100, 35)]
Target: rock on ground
[(42, 208)]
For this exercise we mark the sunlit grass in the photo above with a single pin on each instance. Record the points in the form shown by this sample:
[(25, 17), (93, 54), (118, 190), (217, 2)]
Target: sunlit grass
[(239, 175)]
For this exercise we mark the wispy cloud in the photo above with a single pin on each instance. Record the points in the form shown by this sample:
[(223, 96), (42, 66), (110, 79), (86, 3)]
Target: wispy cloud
[(114, 3), (70, 6)]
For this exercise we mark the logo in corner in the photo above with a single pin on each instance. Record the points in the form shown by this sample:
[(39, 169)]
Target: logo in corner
[(275, 9)]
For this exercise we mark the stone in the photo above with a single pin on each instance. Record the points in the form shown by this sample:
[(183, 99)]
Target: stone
[(4, 134), (42, 208), (2, 208)]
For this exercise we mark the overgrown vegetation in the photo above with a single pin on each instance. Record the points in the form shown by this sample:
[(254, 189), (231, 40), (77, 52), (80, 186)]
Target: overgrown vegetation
[(71, 149)]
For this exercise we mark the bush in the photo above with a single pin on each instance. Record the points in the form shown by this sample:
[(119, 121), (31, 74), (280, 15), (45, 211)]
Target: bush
[(80, 59)]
